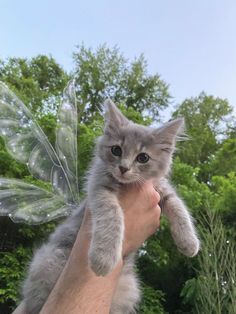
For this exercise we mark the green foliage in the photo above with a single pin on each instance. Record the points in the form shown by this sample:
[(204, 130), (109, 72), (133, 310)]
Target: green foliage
[(213, 290), (152, 301), (9, 167), (105, 73), (206, 119), (224, 160), (48, 123), (225, 201), (38, 81), (164, 269), (12, 268), (86, 139), (196, 194)]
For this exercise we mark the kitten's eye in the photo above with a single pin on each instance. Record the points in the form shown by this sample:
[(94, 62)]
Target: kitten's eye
[(116, 150), (142, 158)]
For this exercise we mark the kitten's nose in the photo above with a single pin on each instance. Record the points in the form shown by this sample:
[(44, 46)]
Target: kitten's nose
[(123, 169)]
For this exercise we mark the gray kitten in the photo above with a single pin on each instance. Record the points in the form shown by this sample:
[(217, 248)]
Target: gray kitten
[(125, 153)]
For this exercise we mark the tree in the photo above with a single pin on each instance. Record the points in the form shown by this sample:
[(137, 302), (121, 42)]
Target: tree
[(206, 119), (105, 73), (38, 81), (227, 152), (224, 188)]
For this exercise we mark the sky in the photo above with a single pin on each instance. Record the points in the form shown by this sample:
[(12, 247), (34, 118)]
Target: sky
[(191, 44)]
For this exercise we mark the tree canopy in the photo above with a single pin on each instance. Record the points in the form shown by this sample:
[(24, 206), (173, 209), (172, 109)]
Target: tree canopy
[(105, 73), (38, 81)]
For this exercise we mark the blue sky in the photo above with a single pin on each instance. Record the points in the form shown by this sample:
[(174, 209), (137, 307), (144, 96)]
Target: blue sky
[(191, 44)]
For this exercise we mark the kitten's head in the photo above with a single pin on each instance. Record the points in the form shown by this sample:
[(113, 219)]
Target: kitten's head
[(134, 152)]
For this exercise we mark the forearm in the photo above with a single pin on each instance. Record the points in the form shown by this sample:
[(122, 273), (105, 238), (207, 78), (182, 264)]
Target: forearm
[(78, 289)]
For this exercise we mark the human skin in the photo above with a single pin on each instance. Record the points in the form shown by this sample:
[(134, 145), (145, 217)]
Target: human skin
[(78, 290)]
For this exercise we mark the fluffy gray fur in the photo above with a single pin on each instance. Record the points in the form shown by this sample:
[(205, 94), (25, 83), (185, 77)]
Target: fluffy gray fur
[(103, 183)]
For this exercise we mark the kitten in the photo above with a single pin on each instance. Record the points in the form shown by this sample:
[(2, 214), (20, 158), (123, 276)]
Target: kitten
[(125, 153)]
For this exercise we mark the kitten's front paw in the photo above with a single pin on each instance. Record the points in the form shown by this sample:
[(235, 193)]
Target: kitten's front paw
[(189, 246), (101, 262)]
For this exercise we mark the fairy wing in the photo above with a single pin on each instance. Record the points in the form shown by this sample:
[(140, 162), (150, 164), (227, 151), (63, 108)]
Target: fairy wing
[(24, 202), (27, 143), (66, 137)]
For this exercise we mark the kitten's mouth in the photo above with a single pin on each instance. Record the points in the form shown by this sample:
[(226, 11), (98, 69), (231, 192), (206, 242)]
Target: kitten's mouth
[(122, 179)]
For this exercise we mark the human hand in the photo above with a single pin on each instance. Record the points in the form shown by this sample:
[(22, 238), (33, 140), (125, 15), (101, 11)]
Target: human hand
[(141, 214)]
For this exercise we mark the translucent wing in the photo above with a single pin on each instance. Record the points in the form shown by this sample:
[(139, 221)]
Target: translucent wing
[(27, 143), (24, 202), (66, 136)]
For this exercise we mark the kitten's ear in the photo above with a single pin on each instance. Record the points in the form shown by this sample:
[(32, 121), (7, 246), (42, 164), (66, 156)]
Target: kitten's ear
[(169, 133), (114, 119)]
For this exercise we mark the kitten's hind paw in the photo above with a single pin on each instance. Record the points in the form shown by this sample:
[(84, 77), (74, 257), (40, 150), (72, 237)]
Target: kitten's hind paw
[(102, 263)]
